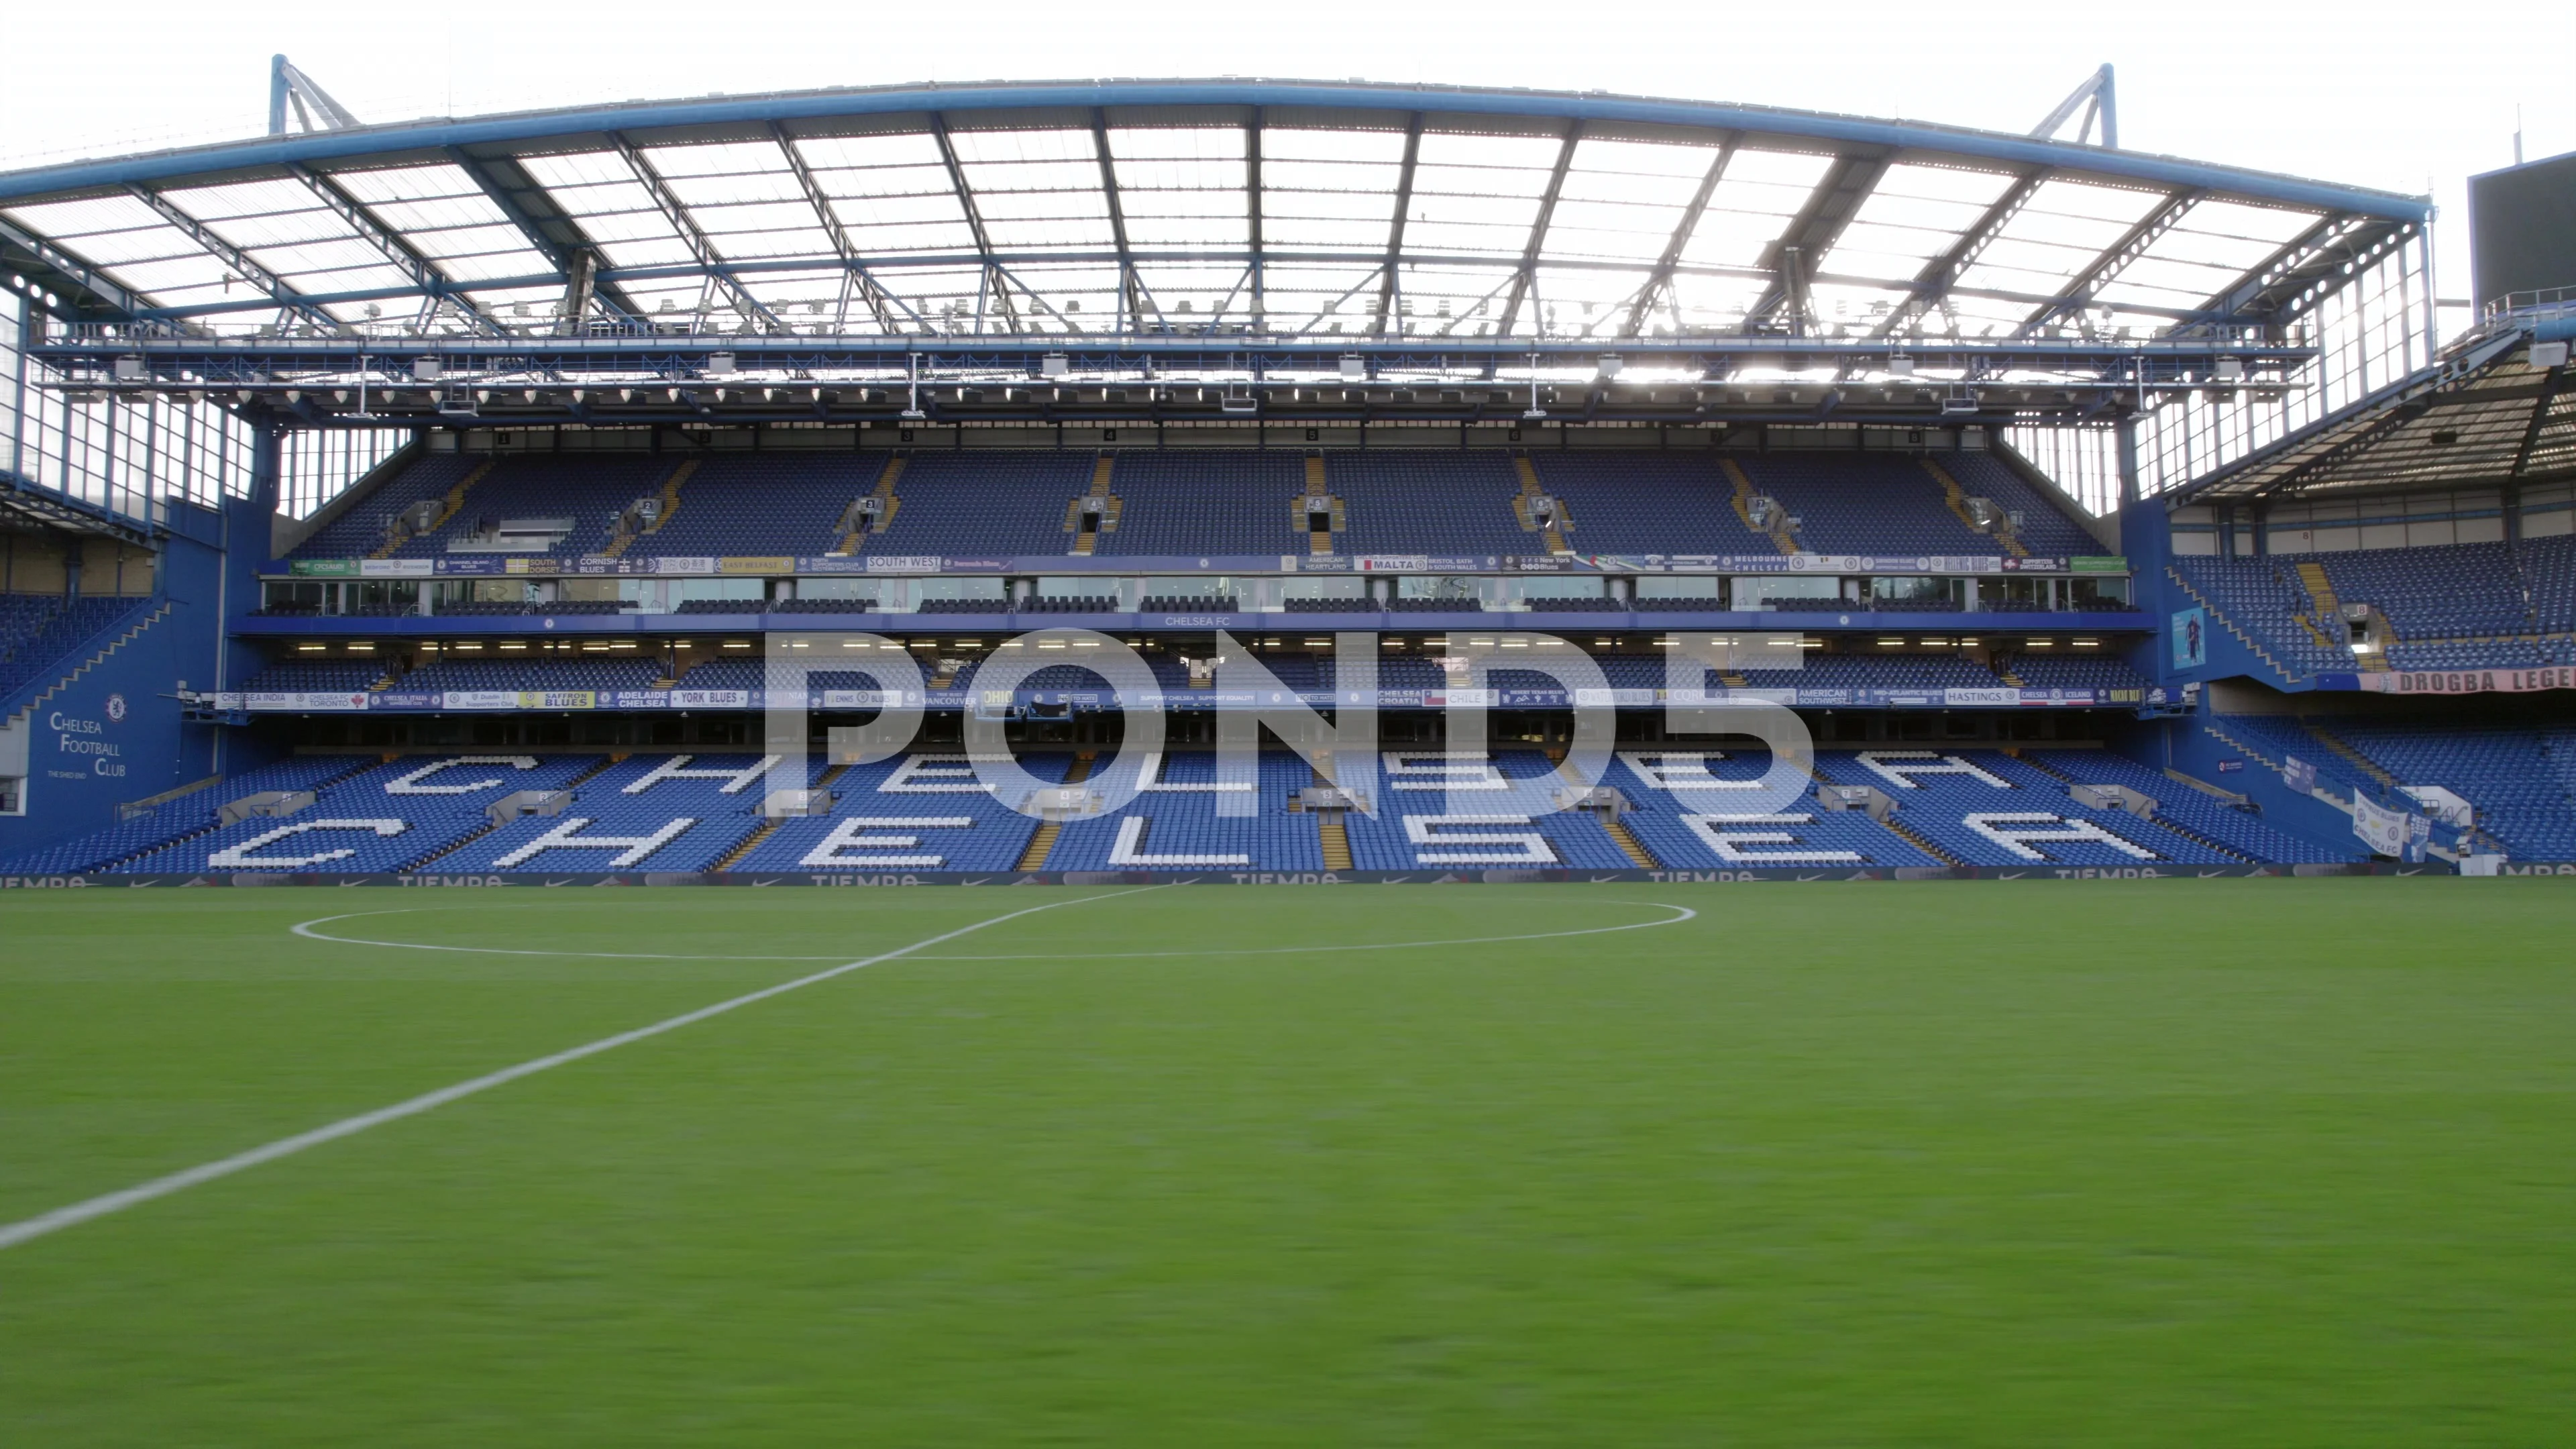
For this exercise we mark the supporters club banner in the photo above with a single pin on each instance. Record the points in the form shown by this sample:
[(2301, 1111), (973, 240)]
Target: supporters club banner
[(2400, 833)]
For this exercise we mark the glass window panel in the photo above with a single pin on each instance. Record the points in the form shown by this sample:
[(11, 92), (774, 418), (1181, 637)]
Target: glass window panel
[(1181, 174), (612, 226), (1199, 141), (577, 168), (719, 158), (1320, 233), (696, 191), (244, 198), (984, 176), (886, 181), (666, 252), (1038, 205), (1459, 148), (1281, 143), (1050, 145), (902, 148), (760, 216), (1050, 233), (804, 241), (911, 240), (897, 210)]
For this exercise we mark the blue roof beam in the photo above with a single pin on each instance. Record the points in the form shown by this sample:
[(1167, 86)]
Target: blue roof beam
[(2079, 291), (1940, 275), (1527, 276), (1791, 259), (711, 260), (1659, 283), (568, 258)]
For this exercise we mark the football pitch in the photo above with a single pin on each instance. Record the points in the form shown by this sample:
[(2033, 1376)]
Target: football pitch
[(2158, 1162)]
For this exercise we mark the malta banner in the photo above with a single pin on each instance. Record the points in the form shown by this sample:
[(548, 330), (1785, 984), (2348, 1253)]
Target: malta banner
[(306, 702), (2459, 681), (2384, 831)]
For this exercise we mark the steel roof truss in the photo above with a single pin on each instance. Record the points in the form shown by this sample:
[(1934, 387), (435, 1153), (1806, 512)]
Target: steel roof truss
[(1811, 234), (434, 284), (686, 225), (1659, 283), (1390, 283), (974, 224), (286, 297), (2539, 424), (562, 256), (1128, 286), (2114, 259), (1527, 277), (1941, 274)]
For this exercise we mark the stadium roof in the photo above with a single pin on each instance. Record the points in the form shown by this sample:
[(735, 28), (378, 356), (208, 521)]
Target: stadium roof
[(1365, 212), (2488, 412)]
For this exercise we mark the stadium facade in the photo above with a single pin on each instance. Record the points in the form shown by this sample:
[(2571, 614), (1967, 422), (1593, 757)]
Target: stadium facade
[(452, 499)]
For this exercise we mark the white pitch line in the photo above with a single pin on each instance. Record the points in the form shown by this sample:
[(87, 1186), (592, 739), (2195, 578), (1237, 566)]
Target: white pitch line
[(11, 1235), (1686, 914)]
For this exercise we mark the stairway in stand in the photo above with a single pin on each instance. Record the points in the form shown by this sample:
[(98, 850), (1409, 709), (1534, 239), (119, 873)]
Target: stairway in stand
[(1629, 845), (447, 509), (1034, 858), (670, 500)]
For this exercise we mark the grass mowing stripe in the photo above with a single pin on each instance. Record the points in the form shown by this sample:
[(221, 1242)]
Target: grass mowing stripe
[(26, 1230)]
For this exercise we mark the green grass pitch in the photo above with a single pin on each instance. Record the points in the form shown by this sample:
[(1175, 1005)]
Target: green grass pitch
[(2171, 1162)]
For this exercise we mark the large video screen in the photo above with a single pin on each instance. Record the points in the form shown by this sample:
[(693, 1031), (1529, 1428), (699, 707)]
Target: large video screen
[(2522, 228)]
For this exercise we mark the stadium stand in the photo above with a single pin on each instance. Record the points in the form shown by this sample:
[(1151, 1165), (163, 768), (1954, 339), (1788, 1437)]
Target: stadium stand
[(1472, 810), (1430, 503), (364, 526), (318, 676), (762, 504), (1982, 807), (1688, 812), (2071, 671), (922, 811), (589, 492), (981, 504), (2264, 600), (394, 816), (1212, 501), (1173, 822), (2522, 781), (38, 636), (192, 814)]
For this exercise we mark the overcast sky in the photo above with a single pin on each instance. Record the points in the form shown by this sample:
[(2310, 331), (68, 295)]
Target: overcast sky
[(2407, 98)]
